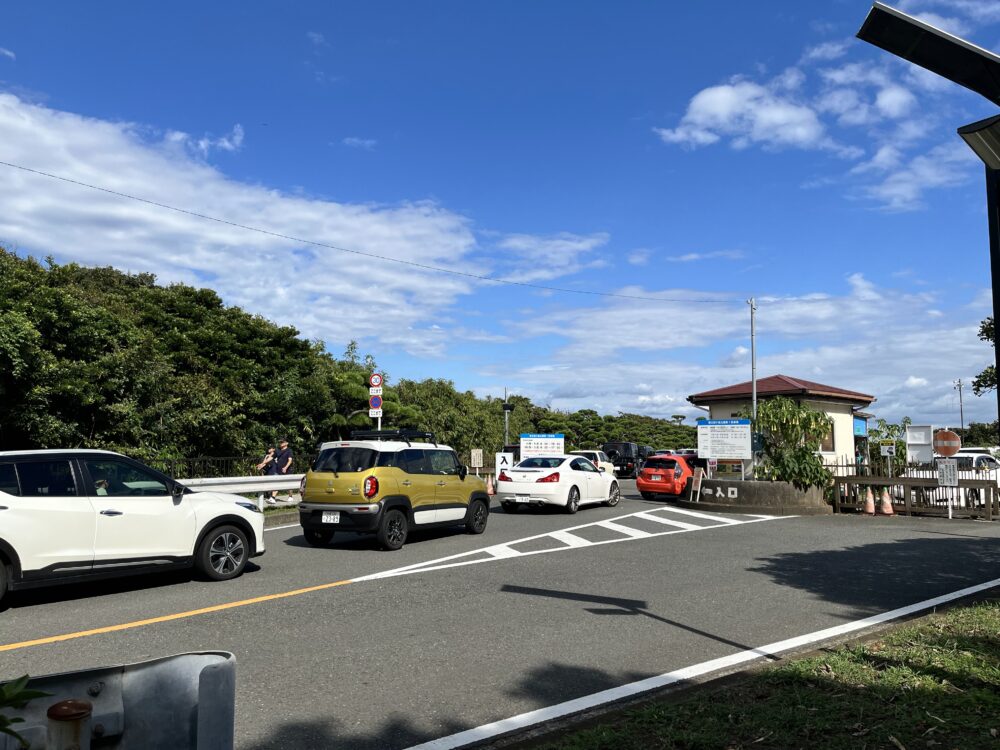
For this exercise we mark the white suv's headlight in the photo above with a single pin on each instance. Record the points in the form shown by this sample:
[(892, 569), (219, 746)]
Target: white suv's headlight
[(248, 505)]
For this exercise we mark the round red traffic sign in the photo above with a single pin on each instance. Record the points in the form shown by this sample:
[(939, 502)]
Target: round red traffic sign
[(375, 380), (946, 443), (375, 402)]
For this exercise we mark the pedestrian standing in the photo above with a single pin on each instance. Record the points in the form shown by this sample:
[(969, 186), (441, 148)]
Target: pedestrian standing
[(267, 467), (283, 464)]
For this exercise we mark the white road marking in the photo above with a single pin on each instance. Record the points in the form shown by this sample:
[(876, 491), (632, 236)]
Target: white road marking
[(650, 516), (286, 526), (570, 540), (474, 557), (626, 530), (541, 715), (693, 514)]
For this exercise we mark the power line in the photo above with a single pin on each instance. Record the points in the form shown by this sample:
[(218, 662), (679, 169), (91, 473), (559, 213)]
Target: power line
[(376, 256)]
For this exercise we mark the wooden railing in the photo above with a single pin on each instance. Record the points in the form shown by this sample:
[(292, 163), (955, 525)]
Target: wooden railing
[(973, 498)]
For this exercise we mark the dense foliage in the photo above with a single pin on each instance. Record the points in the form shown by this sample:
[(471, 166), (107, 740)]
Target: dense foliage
[(792, 433), (93, 357), (986, 381)]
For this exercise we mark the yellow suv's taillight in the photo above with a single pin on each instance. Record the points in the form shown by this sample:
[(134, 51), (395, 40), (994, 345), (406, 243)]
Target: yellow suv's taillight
[(370, 488)]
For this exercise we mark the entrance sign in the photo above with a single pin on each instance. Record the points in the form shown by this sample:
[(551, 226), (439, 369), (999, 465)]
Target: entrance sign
[(724, 438), (503, 461), (542, 444), (946, 443), (947, 472)]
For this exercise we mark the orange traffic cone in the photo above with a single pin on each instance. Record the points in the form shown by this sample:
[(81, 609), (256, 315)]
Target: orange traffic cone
[(886, 509), (869, 503), (490, 489)]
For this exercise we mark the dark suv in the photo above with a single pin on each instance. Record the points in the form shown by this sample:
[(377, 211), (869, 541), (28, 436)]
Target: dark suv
[(625, 456)]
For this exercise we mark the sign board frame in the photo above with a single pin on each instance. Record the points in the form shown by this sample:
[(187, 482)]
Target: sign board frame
[(476, 458), (542, 444), (725, 438), (947, 472)]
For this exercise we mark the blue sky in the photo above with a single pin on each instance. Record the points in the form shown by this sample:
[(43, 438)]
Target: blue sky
[(691, 154)]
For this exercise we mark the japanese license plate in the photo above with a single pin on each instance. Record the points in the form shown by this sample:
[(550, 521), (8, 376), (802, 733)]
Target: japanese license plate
[(521, 498), (656, 478), (330, 516)]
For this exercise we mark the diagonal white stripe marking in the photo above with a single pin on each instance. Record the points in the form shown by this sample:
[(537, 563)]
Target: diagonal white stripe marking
[(670, 522), (626, 530), (501, 551), (706, 516), (571, 540)]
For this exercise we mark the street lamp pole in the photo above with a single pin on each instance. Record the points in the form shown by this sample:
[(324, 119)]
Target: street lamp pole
[(753, 382), (993, 211)]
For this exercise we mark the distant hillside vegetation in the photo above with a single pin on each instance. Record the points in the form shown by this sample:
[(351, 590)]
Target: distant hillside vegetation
[(93, 357)]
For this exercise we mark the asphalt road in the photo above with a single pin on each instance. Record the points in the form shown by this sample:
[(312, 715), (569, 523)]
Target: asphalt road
[(462, 637)]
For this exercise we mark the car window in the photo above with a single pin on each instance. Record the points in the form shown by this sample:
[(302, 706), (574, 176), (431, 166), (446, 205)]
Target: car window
[(964, 462), (664, 464), (985, 462), (602, 456), (346, 459), (443, 462), (414, 461), (582, 464), (120, 479), (8, 480), (46, 478), (538, 462)]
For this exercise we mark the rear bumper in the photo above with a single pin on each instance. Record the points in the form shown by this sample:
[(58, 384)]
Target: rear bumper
[(670, 487), (530, 494), (360, 517)]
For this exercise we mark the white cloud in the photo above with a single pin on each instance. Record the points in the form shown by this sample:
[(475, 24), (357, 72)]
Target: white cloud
[(639, 257), (825, 52), (886, 158), (313, 288), (903, 188), (532, 258), (203, 146), (915, 382), (4, 52), (895, 101), (316, 39), (691, 257), (368, 144)]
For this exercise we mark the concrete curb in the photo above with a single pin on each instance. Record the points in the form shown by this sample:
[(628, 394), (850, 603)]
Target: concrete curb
[(281, 517), (763, 510)]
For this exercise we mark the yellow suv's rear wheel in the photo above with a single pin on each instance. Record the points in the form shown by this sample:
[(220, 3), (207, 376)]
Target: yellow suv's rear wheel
[(392, 529)]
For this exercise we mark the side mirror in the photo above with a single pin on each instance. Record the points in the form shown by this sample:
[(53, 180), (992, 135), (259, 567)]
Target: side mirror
[(177, 491), (601, 469), (463, 472)]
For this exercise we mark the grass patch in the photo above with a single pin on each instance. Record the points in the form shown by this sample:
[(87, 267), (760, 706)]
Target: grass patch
[(935, 684)]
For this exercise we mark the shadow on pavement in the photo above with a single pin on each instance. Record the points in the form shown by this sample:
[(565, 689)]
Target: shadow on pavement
[(878, 577), (332, 734)]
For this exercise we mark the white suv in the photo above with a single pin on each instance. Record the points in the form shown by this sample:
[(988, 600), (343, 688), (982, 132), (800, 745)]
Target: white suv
[(69, 515)]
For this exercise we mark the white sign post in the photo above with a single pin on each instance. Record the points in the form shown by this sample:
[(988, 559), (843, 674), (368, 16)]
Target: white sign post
[(544, 444), (476, 459), (948, 476)]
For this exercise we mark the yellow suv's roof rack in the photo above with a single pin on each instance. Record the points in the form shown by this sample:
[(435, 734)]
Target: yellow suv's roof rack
[(404, 435)]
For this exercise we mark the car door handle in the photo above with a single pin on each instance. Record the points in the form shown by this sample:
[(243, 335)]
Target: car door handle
[(111, 513), (406, 483), (440, 484)]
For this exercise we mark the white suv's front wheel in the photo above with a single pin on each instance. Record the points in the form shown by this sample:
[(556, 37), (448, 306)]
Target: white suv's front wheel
[(223, 553)]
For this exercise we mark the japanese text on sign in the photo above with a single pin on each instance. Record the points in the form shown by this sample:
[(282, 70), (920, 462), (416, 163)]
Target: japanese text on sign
[(724, 438), (533, 444), (947, 472)]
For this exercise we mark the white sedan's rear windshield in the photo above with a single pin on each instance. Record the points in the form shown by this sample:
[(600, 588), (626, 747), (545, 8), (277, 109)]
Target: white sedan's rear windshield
[(540, 463)]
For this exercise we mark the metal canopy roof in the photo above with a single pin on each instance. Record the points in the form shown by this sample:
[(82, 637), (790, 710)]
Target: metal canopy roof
[(938, 51)]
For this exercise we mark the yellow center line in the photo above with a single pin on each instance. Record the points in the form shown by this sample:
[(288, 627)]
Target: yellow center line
[(168, 618)]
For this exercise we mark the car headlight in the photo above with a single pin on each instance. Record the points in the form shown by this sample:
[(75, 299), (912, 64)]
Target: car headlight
[(249, 506)]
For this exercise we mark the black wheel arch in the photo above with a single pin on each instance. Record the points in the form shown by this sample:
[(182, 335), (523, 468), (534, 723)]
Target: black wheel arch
[(9, 557), (401, 502)]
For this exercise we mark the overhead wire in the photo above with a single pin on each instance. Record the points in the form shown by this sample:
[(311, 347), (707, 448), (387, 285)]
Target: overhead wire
[(377, 256)]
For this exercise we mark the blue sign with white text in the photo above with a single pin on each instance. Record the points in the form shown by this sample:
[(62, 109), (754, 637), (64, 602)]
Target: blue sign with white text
[(709, 422)]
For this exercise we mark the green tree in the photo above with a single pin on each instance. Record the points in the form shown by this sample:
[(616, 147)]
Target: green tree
[(986, 381), (792, 434)]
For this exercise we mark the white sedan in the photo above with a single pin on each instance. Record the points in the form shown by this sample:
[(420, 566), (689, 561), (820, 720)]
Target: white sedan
[(566, 481)]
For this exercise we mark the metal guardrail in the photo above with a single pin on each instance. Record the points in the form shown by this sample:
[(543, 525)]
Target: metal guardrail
[(239, 485)]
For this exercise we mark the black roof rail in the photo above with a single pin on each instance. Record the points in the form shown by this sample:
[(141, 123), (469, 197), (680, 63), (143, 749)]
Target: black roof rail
[(406, 435)]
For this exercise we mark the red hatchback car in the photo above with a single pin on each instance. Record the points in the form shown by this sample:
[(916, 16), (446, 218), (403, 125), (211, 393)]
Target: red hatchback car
[(663, 475)]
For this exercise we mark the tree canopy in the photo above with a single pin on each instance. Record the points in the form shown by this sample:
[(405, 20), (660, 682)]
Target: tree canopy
[(94, 357)]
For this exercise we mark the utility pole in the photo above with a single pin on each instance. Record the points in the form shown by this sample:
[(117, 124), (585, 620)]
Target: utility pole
[(507, 409), (753, 381), (961, 408)]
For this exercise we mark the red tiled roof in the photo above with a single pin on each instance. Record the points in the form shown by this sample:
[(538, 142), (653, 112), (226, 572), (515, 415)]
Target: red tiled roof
[(781, 385)]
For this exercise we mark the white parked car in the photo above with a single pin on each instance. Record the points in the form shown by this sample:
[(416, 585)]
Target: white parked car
[(568, 481), (70, 515), (597, 458)]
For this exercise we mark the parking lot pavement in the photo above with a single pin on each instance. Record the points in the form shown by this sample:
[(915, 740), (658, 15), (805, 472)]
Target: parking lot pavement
[(451, 632)]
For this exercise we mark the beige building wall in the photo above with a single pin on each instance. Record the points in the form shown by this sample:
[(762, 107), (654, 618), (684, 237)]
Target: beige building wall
[(841, 413)]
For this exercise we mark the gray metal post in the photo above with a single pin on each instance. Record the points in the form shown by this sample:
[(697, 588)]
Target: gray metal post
[(961, 407), (753, 380)]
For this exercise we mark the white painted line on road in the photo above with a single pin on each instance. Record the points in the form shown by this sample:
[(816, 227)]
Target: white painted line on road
[(570, 540), (693, 514), (286, 526), (501, 551), (541, 715), (671, 522), (626, 530)]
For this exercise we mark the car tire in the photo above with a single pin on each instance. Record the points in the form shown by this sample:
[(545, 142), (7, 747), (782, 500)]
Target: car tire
[(392, 530), (647, 495), (479, 514), (509, 507), (573, 501), (318, 537), (614, 495), (3, 581), (223, 553)]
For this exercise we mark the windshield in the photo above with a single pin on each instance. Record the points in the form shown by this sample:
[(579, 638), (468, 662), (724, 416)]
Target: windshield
[(540, 463), (345, 459)]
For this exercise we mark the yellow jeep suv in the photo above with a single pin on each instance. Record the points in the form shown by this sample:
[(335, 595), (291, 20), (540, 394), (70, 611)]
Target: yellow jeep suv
[(384, 482)]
